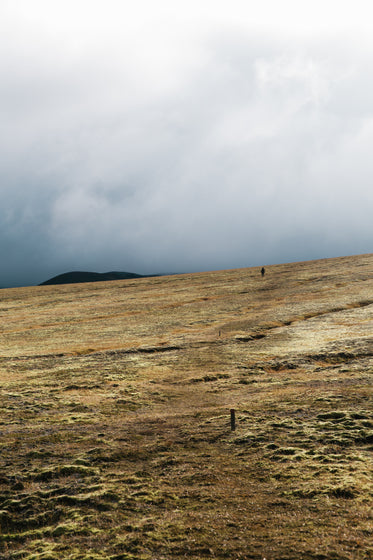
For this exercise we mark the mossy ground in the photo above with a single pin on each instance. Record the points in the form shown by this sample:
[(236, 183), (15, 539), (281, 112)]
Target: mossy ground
[(115, 416)]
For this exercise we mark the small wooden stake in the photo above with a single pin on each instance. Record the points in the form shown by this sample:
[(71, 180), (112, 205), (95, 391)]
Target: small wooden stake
[(233, 419)]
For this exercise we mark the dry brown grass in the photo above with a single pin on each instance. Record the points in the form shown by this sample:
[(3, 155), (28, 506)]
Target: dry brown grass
[(115, 416)]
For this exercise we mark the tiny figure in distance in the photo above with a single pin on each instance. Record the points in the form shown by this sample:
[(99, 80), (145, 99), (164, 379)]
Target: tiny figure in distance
[(263, 271)]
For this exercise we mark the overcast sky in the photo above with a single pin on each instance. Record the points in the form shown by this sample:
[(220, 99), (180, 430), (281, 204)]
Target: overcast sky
[(173, 136)]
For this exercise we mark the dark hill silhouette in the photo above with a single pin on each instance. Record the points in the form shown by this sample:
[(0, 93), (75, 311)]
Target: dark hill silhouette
[(77, 277)]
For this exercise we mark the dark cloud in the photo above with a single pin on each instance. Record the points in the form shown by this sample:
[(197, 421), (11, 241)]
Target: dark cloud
[(177, 148)]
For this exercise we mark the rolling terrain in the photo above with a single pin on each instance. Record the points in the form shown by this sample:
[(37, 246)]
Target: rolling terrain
[(78, 277), (115, 402)]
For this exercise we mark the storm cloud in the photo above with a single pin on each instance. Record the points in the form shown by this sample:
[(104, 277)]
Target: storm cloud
[(171, 139)]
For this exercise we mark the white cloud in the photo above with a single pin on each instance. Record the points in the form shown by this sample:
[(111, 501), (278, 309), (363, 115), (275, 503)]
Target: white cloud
[(168, 136)]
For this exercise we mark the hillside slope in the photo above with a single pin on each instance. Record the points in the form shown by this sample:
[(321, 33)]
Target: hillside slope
[(116, 401), (76, 277)]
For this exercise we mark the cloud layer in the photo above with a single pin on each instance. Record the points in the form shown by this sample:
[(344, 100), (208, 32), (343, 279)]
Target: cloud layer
[(159, 141)]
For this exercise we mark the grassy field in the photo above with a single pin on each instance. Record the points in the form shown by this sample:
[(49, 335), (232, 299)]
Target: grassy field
[(115, 399)]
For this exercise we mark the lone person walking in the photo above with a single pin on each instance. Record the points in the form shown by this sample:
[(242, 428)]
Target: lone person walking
[(263, 271)]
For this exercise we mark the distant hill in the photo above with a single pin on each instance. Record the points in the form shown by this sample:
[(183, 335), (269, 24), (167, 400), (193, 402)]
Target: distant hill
[(77, 277)]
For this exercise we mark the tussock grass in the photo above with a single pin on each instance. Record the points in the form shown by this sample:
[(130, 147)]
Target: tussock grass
[(115, 406)]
